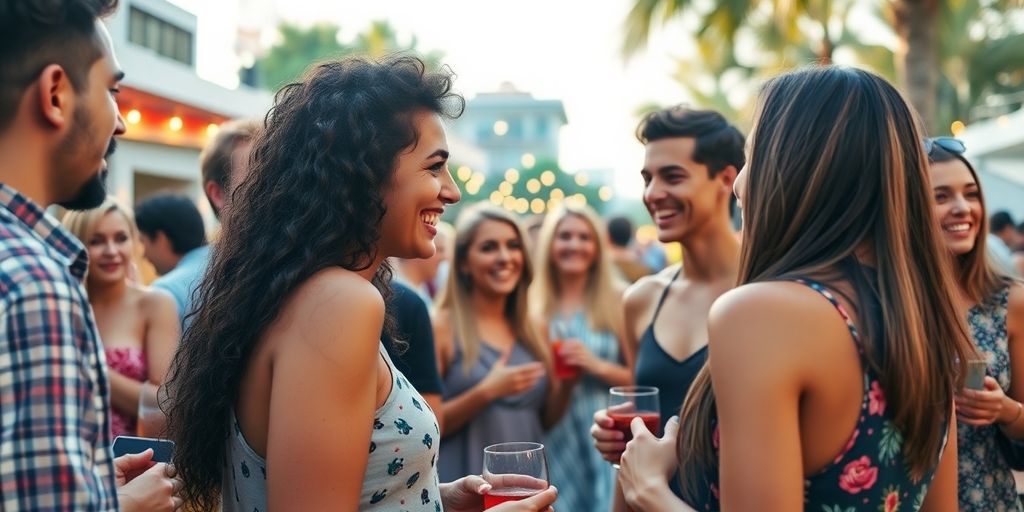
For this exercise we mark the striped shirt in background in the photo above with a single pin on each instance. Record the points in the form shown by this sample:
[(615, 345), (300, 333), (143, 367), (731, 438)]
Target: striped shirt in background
[(54, 397)]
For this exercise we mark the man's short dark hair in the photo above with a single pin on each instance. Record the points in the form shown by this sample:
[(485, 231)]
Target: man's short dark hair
[(719, 144), (176, 216), (620, 231), (1000, 221), (37, 33)]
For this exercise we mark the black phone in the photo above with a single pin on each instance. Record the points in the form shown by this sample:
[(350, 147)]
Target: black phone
[(163, 449)]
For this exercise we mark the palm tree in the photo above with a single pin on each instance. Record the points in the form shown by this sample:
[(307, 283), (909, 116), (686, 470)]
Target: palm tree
[(945, 77)]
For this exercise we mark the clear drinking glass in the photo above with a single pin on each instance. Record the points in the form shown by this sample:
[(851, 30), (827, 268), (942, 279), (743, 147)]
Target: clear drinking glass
[(628, 402), (152, 422), (515, 471)]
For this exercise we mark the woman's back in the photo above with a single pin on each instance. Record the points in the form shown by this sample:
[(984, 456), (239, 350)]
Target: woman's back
[(851, 449)]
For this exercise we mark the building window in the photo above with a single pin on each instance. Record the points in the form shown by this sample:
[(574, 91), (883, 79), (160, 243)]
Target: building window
[(166, 39)]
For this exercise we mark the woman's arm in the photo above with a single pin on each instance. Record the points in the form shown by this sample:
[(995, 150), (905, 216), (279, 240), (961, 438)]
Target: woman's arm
[(124, 393), (1012, 421), (323, 394), (502, 380), (942, 494), (992, 405), (755, 336), (162, 333)]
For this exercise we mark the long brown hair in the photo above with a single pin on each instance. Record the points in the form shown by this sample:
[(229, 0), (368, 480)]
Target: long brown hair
[(457, 296), (977, 274), (837, 166), (604, 290)]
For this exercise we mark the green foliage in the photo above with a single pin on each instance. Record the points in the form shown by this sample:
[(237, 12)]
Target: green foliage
[(299, 47), (891, 445), (981, 49), (522, 189)]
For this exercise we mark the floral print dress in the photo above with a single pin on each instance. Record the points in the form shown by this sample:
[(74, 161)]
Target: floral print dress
[(870, 473), (986, 483)]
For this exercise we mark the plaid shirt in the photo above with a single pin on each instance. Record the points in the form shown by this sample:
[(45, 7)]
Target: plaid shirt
[(54, 397)]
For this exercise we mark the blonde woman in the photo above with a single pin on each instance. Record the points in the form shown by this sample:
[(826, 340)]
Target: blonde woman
[(577, 299), (493, 363), (138, 326)]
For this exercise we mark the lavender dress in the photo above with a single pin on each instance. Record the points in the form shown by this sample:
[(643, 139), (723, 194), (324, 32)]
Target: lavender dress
[(509, 419)]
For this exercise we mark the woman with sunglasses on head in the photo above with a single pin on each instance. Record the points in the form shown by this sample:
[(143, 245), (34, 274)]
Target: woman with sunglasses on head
[(995, 315), (832, 368)]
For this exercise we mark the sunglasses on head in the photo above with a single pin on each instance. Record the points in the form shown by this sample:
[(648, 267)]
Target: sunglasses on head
[(950, 144)]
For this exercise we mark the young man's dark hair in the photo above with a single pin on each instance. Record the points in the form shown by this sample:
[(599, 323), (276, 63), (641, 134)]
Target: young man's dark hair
[(719, 144), (999, 221), (37, 33), (175, 216), (620, 231)]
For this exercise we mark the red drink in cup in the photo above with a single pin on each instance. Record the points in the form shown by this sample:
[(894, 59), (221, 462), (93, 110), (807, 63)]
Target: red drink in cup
[(515, 471), (563, 370), (494, 498), (622, 420), (628, 402)]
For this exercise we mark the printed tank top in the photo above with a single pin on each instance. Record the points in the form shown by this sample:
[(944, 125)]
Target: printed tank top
[(401, 473), (870, 473)]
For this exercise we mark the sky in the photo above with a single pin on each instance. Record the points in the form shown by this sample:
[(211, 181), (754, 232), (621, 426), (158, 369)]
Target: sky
[(553, 49)]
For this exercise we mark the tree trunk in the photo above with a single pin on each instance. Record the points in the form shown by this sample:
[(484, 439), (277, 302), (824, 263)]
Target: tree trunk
[(916, 23)]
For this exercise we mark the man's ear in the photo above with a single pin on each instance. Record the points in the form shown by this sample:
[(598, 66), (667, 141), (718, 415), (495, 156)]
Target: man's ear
[(727, 176), (215, 194), (54, 95)]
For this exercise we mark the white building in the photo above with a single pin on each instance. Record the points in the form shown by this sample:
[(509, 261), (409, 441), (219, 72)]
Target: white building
[(170, 112), (996, 149)]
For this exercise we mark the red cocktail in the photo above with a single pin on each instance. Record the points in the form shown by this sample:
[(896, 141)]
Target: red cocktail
[(496, 497), (563, 370)]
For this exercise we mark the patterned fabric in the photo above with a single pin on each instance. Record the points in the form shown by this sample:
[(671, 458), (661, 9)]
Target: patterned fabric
[(870, 473), (585, 481), (401, 473), (986, 483), (130, 362), (54, 394)]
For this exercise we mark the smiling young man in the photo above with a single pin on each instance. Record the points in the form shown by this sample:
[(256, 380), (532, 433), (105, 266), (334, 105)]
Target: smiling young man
[(692, 159), (58, 119)]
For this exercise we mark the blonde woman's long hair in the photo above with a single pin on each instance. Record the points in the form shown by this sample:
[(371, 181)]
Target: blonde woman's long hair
[(603, 298), (457, 297), (837, 165)]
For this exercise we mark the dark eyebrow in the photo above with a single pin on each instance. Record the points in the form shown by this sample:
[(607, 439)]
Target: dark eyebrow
[(673, 167), (118, 76), (441, 153)]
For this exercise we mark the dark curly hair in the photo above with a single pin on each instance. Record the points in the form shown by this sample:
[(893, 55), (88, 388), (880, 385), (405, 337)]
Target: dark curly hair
[(37, 33), (313, 200)]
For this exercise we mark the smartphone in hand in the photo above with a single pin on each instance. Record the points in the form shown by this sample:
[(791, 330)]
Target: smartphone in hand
[(163, 449), (976, 369)]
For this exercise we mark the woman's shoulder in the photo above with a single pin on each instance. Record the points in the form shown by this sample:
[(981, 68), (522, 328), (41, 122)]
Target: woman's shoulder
[(154, 301), (786, 317)]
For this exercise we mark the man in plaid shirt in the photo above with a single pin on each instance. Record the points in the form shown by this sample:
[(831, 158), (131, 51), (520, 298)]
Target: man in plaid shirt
[(58, 117)]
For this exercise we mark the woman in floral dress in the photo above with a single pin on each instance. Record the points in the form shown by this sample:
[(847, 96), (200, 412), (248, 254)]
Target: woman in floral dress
[(996, 318)]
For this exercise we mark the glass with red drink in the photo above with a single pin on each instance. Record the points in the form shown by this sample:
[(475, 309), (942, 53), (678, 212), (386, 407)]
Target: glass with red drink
[(628, 402), (563, 370), (515, 471)]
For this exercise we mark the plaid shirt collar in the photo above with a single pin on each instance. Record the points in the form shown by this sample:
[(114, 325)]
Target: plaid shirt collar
[(65, 247)]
